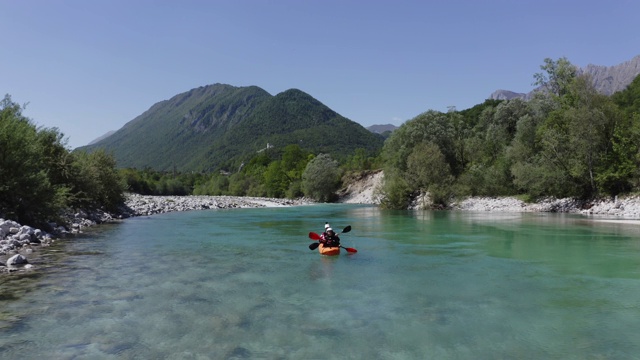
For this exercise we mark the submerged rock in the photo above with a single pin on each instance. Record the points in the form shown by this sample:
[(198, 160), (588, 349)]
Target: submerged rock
[(17, 260)]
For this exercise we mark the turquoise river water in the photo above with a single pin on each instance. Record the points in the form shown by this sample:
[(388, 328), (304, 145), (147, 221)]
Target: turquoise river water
[(243, 284)]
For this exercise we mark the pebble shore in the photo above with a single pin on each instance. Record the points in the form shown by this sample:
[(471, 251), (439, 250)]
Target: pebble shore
[(18, 242), (627, 207), (144, 205)]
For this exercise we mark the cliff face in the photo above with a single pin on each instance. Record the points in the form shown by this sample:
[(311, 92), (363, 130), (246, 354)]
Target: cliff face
[(609, 80), (363, 188), (606, 79)]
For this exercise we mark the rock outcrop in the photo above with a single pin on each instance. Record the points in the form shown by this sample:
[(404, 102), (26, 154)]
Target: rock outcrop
[(363, 188)]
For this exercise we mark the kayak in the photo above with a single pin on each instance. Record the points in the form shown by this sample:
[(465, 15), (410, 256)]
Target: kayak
[(329, 250)]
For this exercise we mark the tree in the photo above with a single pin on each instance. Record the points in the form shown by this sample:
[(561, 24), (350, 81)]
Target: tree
[(321, 178), (396, 192), (431, 126), (629, 98), (426, 166), (428, 171), (572, 144), (557, 76), (276, 181), (98, 182), (27, 193), (620, 172), (40, 177), (294, 160)]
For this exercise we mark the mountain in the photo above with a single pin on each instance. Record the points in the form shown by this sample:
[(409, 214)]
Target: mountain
[(219, 126), (508, 95), (607, 80), (380, 129), (102, 137)]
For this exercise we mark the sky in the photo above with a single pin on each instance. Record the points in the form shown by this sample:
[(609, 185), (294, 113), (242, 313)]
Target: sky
[(88, 67)]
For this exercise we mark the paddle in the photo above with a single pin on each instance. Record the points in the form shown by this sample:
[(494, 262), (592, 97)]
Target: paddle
[(315, 245), (315, 236), (351, 250)]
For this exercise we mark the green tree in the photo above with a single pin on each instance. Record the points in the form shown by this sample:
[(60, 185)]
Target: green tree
[(98, 182), (428, 171), (360, 160), (396, 191), (40, 177), (556, 76), (27, 194), (572, 145), (442, 131), (620, 167), (276, 180), (629, 98), (239, 184), (294, 161), (321, 178), (433, 127)]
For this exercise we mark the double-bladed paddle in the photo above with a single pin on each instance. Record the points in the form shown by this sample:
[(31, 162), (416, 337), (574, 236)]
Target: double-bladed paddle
[(315, 236)]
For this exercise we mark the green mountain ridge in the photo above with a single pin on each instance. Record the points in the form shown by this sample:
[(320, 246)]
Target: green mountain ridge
[(219, 126)]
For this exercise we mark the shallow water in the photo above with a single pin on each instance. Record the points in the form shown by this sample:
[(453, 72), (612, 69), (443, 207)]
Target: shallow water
[(242, 284)]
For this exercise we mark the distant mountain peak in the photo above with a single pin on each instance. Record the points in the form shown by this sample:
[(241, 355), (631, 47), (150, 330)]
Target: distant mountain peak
[(506, 95), (379, 129), (606, 79)]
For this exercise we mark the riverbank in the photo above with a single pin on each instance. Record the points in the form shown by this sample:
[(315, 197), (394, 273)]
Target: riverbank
[(19, 242), (622, 207), (366, 189), (144, 205)]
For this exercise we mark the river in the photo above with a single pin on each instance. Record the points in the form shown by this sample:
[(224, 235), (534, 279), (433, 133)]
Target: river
[(243, 284)]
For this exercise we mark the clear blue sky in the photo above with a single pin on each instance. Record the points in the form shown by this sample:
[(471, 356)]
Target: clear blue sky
[(89, 66)]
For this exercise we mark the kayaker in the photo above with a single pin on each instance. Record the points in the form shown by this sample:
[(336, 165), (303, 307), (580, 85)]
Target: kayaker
[(330, 238), (326, 226)]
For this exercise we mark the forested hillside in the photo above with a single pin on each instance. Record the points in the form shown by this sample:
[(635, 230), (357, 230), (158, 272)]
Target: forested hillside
[(221, 126), (569, 141)]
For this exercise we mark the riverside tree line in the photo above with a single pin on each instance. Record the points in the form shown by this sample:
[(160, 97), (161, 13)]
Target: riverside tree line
[(567, 141)]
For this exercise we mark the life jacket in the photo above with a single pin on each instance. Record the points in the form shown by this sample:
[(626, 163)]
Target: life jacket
[(330, 241)]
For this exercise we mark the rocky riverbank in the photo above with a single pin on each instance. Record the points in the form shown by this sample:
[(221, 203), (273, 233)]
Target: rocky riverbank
[(18, 242), (365, 189), (623, 207), (142, 205)]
